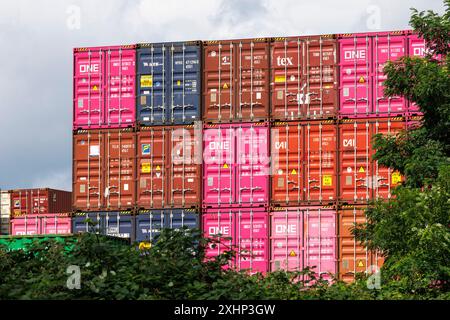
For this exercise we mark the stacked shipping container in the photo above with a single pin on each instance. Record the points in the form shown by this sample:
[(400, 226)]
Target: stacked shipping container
[(301, 109)]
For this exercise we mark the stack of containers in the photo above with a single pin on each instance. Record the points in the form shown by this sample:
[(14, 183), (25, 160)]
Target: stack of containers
[(104, 139), (236, 100), (168, 137), (364, 111), (304, 79), (36, 211)]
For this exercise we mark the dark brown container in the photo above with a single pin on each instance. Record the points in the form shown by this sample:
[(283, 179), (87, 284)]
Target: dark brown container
[(169, 167), (104, 175), (236, 76), (40, 201), (304, 78)]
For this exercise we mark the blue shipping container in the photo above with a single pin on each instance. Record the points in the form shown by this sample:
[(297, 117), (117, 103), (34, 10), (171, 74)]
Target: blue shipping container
[(150, 222), (169, 83), (116, 223)]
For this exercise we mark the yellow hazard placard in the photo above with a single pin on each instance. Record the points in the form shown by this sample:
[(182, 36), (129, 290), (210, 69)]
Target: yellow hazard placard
[(158, 168), (396, 178), (327, 180), (279, 79), (95, 88), (292, 253), (145, 245), (146, 81), (178, 83), (145, 168), (362, 169), (293, 171), (225, 166), (361, 79), (225, 86), (360, 263)]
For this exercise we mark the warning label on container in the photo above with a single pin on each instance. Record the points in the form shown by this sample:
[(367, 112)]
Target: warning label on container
[(360, 263), (292, 253), (293, 171), (225, 86), (145, 148), (396, 178), (361, 80), (327, 181), (95, 88), (178, 83), (361, 169), (280, 79), (225, 166), (146, 81), (146, 168)]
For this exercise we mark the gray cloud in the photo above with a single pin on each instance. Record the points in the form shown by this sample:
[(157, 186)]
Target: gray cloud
[(36, 58)]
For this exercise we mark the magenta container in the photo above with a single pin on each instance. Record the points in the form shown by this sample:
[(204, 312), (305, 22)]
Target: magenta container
[(35, 224), (236, 165), (104, 87), (249, 232), (304, 236)]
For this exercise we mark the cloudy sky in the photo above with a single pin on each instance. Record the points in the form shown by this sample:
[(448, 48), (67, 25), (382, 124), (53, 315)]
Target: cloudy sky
[(37, 37)]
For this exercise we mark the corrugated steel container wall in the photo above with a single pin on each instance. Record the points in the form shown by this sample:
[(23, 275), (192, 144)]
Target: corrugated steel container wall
[(353, 255), (236, 80), (304, 78), (416, 49), (249, 232), (114, 223), (169, 167), (304, 236), (236, 165), (104, 87), (104, 170), (43, 200), (150, 222), (5, 211), (360, 178), (50, 223), (169, 83)]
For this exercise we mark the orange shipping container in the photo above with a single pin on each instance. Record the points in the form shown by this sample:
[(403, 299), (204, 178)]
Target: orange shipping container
[(304, 76), (104, 170), (353, 256), (236, 80)]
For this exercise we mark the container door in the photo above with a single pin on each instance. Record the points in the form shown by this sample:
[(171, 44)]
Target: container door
[(252, 165), (251, 240), (287, 154), (55, 224), (320, 96), (252, 75), (320, 162), (40, 201), (185, 75), (120, 74), (27, 225), (88, 89), (355, 76), (185, 168), (416, 49), (182, 218), (218, 225), (387, 48), (289, 94), (152, 160), (219, 164), (149, 225), (120, 157), (287, 242), (21, 202), (355, 162), (88, 171), (385, 179), (152, 83), (320, 239), (118, 224), (219, 82)]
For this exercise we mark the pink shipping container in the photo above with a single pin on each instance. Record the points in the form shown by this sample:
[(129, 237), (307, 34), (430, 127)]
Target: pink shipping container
[(304, 236), (236, 165), (248, 229), (104, 87), (416, 49), (33, 224)]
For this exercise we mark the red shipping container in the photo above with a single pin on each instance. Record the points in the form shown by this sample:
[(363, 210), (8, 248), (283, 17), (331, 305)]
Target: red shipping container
[(40, 200), (47, 223), (360, 178), (304, 162), (302, 237), (104, 170), (248, 229), (304, 78), (104, 87), (236, 165), (353, 256), (169, 167), (236, 80)]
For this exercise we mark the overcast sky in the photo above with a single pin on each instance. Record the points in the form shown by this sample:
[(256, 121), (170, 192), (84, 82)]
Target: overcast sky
[(37, 37)]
